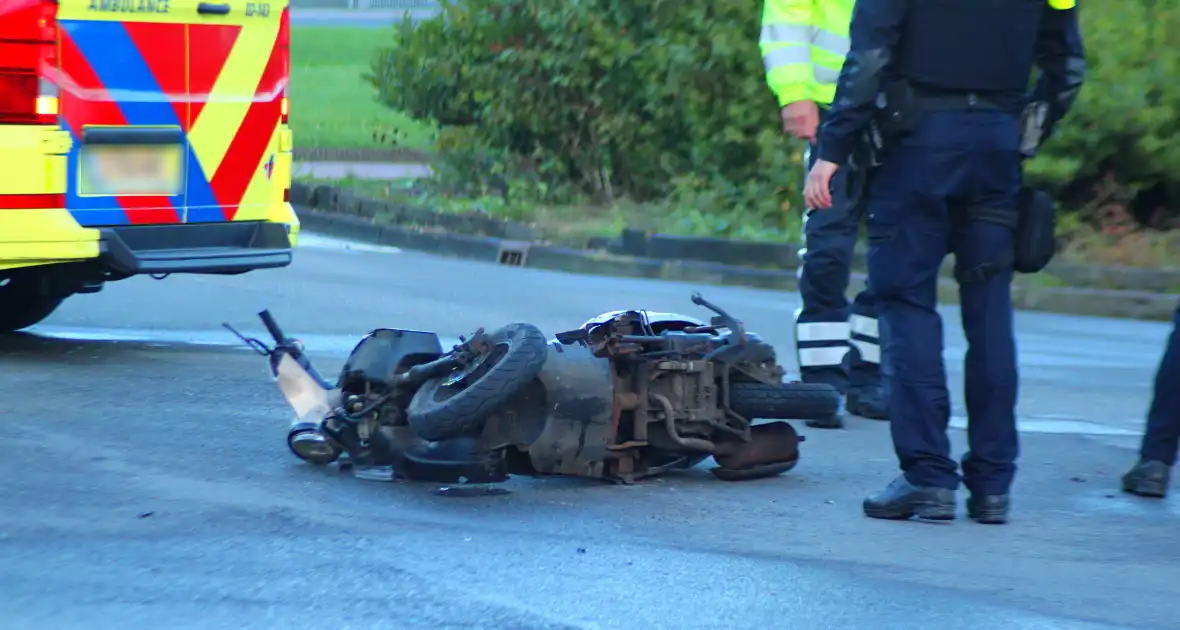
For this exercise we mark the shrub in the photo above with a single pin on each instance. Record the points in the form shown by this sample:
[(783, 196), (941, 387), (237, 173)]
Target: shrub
[(648, 101), (552, 100)]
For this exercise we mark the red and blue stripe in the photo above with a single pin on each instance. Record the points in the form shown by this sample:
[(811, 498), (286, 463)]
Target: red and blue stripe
[(106, 79)]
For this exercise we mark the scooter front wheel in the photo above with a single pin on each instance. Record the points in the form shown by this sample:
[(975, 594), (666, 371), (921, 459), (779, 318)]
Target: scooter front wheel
[(457, 405)]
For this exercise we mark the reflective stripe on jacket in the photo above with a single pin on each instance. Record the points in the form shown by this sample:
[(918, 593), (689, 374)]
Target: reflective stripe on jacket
[(803, 46)]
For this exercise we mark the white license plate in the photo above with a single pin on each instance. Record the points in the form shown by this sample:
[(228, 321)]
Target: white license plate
[(131, 170)]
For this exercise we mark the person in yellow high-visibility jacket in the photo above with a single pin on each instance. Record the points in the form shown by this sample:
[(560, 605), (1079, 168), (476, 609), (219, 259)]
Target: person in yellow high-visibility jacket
[(803, 45)]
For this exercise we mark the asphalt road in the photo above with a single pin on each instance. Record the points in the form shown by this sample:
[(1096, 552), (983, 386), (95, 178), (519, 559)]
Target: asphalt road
[(360, 170), (145, 483)]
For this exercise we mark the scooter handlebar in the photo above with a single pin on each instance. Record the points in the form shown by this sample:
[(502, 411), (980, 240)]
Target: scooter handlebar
[(272, 326)]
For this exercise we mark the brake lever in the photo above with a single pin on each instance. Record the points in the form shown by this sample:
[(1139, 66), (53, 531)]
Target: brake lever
[(727, 320), (254, 344)]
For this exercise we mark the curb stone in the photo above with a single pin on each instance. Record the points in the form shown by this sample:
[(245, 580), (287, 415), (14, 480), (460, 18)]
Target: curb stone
[(1143, 305)]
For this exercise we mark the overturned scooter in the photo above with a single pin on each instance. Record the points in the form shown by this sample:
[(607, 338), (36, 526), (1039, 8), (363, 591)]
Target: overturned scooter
[(628, 395)]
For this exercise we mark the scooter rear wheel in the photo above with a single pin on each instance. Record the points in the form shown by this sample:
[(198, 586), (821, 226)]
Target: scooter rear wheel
[(443, 409), (783, 401)]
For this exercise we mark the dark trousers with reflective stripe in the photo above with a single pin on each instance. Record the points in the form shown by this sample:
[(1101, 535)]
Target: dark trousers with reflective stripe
[(918, 203), (1162, 438), (837, 342)]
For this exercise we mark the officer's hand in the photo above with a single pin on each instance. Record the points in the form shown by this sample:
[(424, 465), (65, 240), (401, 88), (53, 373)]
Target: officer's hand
[(818, 191), (801, 119)]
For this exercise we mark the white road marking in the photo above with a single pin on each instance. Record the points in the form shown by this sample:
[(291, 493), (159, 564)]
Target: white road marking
[(324, 345), (1058, 425), (317, 241), (331, 347)]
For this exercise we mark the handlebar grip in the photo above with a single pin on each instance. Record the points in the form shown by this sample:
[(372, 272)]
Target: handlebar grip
[(272, 326)]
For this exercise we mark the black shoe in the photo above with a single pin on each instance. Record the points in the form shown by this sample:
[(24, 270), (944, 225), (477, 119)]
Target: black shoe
[(1148, 478), (836, 421), (989, 509), (903, 500), (867, 401)]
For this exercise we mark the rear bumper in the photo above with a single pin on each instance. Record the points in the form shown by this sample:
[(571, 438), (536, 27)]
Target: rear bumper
[(206, 248)]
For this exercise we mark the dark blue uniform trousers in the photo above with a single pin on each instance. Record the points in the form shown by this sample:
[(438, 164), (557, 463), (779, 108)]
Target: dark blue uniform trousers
[(919, 207), (1162, 438), (837, 342)]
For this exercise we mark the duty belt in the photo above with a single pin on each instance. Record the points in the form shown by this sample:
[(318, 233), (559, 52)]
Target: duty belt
[(964, 100)]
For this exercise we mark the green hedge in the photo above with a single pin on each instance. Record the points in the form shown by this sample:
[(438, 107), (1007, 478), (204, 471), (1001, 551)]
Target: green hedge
[(665, 100)]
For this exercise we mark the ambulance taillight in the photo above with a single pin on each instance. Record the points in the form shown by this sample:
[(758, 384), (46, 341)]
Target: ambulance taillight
[(28, 62), (284, 45)]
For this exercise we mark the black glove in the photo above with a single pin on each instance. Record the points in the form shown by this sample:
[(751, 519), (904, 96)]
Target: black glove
[(1032, 127)]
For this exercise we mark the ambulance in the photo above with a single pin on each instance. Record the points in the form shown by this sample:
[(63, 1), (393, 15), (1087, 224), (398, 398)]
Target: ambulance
[(139, 137)]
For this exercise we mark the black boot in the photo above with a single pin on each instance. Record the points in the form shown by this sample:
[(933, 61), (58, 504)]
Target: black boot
[(903, 500), (867, 401), (1148, 478), (836, 421), (989, 509)]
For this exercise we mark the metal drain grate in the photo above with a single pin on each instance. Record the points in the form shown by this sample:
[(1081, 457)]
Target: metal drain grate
[(513, 253)]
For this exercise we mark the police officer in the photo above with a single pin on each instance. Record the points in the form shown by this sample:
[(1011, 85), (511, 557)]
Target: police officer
[(803, 45), (952, 76), (1157, 453)]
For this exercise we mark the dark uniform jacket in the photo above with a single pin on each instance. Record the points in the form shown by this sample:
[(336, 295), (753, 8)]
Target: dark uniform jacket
[(943, 48)]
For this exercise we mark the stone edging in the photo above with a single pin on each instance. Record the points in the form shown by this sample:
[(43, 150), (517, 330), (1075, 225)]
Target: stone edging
[(367, 154), (1099, 302)]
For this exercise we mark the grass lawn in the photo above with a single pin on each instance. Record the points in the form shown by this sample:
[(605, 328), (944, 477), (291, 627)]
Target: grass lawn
[(564, 225), (568, 225), (331, 106)]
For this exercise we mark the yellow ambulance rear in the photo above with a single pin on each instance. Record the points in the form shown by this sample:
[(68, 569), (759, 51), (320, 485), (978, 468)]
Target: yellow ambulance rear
[(139, 137)]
